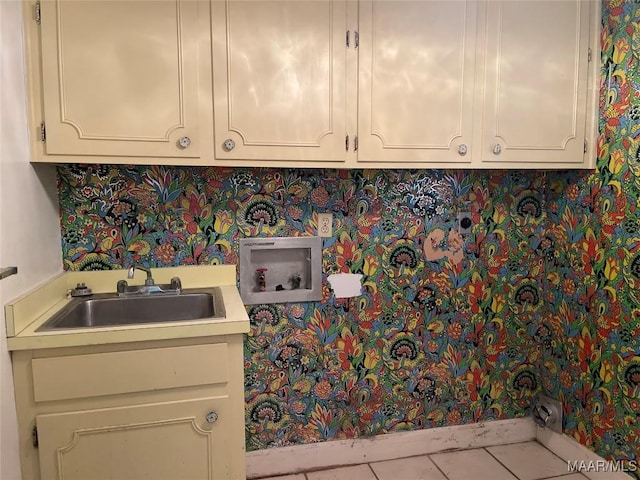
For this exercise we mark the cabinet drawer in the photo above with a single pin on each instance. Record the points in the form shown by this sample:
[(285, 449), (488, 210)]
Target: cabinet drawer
[(81, 376)]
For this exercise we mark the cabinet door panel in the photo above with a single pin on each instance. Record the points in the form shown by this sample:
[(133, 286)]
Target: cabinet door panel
[(153, 441), (120, 77), (535, 81), (416, 68), (279, 86)]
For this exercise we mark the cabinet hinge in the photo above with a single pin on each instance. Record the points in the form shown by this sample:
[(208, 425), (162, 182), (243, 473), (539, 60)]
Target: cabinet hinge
[(586, 146), (347, 39), (589, 54), (34, 436), (355, 143), (346, 143), (43, 133), (36, 13)]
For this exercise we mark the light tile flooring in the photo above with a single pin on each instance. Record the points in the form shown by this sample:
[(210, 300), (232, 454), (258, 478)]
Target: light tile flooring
[(517, 461)]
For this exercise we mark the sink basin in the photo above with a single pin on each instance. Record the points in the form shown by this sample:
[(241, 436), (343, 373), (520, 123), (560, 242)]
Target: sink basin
[(108, 310)]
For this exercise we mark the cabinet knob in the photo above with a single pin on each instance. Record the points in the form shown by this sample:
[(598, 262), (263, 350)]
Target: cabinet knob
[(462, 150), (229, 144), (212, 417), (497, 148), (184, 142)]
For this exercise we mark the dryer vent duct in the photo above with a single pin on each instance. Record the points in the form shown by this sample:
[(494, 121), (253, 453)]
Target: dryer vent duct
[(547, 413)]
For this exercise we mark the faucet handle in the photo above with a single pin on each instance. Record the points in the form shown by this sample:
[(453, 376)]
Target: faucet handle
[(81, 290), (121, 286), (176, 284), (131, 272)]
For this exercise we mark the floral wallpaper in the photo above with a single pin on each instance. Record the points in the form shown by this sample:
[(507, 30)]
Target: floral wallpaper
[(429, 342), (541, 296), (589, 335)]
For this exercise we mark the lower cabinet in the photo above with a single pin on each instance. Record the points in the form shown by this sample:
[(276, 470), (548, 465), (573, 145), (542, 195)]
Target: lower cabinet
[(173, 440), (162, 410)]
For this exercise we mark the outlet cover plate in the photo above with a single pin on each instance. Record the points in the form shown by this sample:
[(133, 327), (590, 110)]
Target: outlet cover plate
[(325, 225)]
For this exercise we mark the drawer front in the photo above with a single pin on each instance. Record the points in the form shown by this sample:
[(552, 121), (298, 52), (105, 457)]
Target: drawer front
[(82, 376)]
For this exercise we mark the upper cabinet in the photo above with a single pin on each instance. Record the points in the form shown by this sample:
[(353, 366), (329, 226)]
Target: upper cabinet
[(279, 80), (120, 78), (534, 89), (477, 84), (416, 81), (324, 83)]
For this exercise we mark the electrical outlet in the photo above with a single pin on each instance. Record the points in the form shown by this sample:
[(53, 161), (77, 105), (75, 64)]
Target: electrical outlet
[(464, 222), (325, 224)]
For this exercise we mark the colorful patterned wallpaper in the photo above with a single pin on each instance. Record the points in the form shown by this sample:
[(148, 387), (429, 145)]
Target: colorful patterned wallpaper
[(428, 343), (589, 335), (545, 297)]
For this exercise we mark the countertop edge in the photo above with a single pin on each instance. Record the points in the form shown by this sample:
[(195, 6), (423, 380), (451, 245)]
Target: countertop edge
[(129, 335)]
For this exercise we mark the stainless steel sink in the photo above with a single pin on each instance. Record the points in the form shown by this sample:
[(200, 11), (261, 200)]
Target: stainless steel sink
[(109, 309)]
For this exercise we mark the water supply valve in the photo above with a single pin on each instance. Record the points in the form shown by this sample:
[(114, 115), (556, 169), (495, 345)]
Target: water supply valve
[(262, 279)]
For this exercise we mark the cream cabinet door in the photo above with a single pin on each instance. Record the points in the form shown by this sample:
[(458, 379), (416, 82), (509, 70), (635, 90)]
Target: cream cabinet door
[(279, 79), (535, 84), (415, 81), (158, 441), (120, 77)]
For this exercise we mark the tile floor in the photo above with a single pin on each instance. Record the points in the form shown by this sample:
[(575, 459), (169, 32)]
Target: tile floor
[(517, 461)]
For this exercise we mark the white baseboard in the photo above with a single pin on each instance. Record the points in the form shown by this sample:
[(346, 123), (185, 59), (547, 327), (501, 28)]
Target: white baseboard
[(298, 458), (570, 450)]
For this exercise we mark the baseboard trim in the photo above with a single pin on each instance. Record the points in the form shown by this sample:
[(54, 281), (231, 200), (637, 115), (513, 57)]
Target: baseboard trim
[(298, 458), (572, 451)]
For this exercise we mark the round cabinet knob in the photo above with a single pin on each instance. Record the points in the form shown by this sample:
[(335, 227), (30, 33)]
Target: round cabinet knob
[(497, 148), (462, 150), (212, 417), (184, 142), (229, 144)]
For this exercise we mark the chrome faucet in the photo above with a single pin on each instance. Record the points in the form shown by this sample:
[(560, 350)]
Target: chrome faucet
[(149, 287), (132, 269)]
